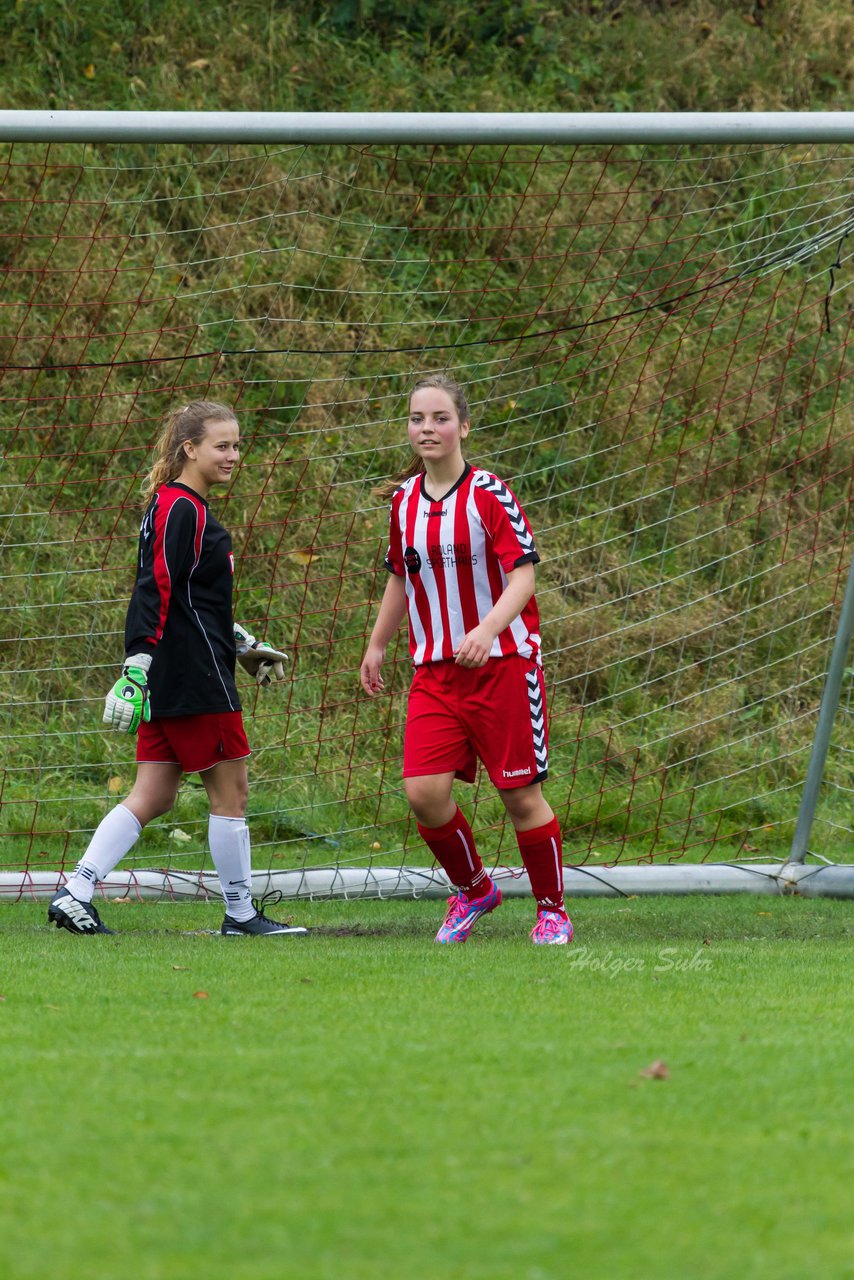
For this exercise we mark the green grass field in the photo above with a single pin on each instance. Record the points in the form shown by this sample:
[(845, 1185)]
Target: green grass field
[(362, 1103)]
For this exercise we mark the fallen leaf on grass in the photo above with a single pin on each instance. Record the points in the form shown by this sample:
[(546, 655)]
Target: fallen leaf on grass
[(657, 1070), (181, 968), (200, 995), (115, 785), (181, 836), (302, 557), (198, 64)]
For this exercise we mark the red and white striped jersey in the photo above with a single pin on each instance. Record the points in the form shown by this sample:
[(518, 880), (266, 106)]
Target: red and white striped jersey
[(455, 555)]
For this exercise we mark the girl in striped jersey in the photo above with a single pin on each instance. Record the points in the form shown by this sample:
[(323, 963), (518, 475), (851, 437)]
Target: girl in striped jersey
[(177, 691), (461, 562)]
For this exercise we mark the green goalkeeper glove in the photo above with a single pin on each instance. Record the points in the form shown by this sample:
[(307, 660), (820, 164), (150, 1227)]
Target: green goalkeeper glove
[(128, 704), (259, 659)]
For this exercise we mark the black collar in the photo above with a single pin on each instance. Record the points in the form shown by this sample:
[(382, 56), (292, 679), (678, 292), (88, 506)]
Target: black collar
[(453, 488)]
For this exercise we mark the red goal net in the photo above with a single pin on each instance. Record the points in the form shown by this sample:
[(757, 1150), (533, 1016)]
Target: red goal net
[(655, 344)]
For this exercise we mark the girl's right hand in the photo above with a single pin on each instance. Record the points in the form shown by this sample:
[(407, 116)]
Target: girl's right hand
[(369, 672)]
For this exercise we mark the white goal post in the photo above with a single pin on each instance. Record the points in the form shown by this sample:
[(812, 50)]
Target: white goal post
[(651, 314)]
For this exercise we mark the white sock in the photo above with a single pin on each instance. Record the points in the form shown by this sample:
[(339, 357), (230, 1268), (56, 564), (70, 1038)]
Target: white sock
[(115, 835), (229, 844)]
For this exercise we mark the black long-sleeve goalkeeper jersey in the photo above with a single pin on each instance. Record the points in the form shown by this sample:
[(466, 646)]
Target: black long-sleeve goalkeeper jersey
[(180, 610)]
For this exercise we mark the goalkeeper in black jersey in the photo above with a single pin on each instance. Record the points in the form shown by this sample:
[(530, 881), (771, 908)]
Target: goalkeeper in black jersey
[(177, 690)]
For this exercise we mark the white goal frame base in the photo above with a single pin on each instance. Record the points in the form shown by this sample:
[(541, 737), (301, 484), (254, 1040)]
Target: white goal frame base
[(823, 880)]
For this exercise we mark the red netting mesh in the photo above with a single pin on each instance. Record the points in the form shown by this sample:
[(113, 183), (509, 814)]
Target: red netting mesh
[(655, 345)]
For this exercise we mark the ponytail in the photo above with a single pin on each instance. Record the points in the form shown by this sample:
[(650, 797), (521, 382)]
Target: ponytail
[(391, 486), (185, 425)]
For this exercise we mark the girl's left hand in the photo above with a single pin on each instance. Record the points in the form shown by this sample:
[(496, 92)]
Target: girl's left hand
[(475, 648), (369, 672)]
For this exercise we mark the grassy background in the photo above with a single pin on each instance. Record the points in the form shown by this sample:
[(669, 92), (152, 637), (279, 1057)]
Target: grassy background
[(485, 55), (361, 1102), (720, 772)]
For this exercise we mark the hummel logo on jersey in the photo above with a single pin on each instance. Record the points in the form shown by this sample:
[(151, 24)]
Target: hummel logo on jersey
[(516, 773)]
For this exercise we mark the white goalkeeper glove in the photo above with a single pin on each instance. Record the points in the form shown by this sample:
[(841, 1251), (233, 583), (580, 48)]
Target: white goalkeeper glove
[(128, 704), (259, 659)]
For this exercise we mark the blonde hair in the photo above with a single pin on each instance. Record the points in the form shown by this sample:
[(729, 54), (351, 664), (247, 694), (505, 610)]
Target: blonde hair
[(185, 425), (453, 389)]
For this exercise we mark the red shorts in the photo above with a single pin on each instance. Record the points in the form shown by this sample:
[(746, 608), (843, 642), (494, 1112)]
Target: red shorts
[(495, 713), (196, 743)]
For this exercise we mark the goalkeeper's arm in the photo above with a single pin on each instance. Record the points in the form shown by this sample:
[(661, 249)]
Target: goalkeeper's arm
[(128, 703), (259, 659)]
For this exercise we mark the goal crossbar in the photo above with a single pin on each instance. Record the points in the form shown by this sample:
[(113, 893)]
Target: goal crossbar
[(453, 127)]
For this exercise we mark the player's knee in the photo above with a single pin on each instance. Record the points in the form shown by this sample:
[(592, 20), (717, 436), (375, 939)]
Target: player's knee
[(524, 804), (428, 802), (148, 805)]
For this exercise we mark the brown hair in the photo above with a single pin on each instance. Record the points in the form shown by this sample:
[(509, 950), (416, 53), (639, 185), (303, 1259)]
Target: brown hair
[(441, 382), (185, 425)]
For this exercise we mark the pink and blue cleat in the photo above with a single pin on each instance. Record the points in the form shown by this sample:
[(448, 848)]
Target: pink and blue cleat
[(553, 929), (463, 914)]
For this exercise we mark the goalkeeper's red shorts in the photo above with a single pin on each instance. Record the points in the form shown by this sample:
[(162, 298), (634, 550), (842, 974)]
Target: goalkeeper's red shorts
[(196, 743), (497, 714)]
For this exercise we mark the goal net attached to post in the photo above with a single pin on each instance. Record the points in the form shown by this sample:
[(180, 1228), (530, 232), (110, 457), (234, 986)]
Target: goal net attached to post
[(652, 320)]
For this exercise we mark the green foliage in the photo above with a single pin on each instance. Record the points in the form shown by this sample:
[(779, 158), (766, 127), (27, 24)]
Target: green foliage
[(456, 29), (385, 55)]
